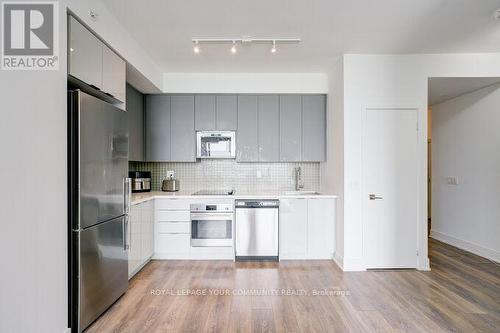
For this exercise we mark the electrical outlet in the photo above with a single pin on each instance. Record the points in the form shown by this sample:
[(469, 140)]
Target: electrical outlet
[(452, 180)]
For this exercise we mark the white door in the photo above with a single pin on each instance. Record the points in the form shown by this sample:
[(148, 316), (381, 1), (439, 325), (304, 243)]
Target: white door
[(390, 185)]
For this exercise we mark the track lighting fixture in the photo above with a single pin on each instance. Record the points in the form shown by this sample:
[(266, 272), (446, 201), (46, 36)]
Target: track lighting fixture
[(243, 41)]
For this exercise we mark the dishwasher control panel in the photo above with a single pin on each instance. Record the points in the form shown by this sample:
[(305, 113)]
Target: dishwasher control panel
[(268, 203)]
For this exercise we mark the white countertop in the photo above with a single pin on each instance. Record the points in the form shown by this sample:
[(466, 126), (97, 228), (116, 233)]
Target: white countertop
[(146, 196)]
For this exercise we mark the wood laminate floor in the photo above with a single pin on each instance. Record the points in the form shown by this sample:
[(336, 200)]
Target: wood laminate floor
[(460, 294)]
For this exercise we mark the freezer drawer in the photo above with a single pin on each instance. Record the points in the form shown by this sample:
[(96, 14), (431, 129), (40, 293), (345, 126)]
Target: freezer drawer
[(103, 268), (257, 232)]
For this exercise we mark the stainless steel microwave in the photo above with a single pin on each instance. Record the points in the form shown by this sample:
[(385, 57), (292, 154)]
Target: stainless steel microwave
[(215, 144)]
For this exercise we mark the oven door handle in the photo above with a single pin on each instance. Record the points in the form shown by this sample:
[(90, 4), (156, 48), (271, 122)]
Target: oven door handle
[(211, 217)]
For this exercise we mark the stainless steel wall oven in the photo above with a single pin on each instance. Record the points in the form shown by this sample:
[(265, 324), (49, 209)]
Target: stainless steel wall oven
[(212, 224)]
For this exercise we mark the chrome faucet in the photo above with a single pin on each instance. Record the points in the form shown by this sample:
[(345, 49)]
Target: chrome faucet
[(299, 182)]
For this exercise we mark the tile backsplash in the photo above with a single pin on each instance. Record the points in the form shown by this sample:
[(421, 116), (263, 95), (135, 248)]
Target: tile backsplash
[(227, 174)]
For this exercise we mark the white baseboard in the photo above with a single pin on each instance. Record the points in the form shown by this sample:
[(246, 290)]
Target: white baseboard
[(424, 264), (339, 260), (467, 246), (353, 265)]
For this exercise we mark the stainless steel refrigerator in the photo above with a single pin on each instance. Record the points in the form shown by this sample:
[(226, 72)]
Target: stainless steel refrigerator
[(99, 201)]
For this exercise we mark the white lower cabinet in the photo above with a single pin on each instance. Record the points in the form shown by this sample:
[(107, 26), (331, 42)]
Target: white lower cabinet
[(134, 240), (307, 228), (173, 246), (293, 228), (162, 228), (141, 236), (173, 229), (320, 228)]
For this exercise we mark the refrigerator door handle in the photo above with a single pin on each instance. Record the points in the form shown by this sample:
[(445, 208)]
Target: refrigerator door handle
[(127, 195), (126, 233)]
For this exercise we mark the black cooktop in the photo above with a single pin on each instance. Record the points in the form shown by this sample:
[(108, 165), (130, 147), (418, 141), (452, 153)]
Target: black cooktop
[(214, 192)]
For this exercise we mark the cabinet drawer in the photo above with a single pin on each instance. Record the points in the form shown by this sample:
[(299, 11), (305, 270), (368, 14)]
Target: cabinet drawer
[(174, 227), (173, 204), (173, 244), (173, 216)]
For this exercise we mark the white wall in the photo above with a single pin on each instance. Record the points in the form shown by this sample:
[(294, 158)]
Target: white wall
[(246, 83), (332, 171), (466, 144), (393, 81), (33, 214)]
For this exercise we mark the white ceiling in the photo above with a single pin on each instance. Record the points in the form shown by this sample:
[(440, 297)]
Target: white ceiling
[(444, 89), (327, 27)]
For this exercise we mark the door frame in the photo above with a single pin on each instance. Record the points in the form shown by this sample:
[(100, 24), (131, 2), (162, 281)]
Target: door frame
[(364, 121)]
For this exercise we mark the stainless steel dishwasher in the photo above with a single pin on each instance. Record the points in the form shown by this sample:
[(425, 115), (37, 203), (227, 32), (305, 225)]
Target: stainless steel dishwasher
[(257, 229)]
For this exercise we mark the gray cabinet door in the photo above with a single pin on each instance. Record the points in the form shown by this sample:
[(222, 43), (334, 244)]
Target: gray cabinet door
[(227, 113), (204, 110), (182, 133), (113, 74), (85, 54), (135, 114), (269, 128), (290, 128), (246, 137), (158, 128), (313, 128)]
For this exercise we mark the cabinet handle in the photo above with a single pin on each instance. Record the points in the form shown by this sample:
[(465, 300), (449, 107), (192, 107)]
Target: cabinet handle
[(95, 87), (110, 95)]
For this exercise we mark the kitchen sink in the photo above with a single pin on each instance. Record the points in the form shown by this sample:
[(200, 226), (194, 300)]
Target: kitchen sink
[(302, 193)]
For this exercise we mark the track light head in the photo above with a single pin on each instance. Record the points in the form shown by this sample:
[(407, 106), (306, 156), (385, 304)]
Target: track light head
[(196, 47), (274, 49)]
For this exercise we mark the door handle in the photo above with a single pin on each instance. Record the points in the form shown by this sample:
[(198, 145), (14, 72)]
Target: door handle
[(375, 197)]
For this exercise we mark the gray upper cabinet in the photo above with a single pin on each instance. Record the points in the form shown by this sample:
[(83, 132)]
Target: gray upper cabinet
[(268, 128), (205, 114), (135, 114), (85, 54), (158, 128), (313, 128), (290, 128), (246, 136), (182, 133), (113, 74), (227, 113), (216, 113), (94, 63)]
